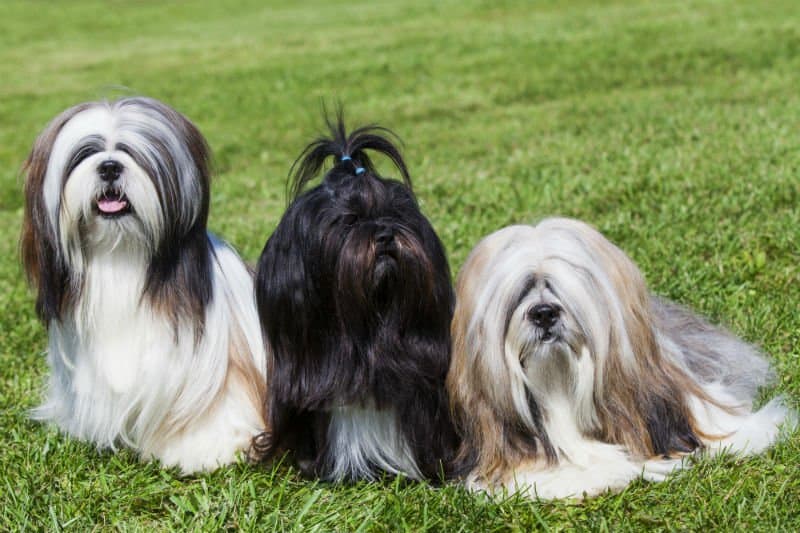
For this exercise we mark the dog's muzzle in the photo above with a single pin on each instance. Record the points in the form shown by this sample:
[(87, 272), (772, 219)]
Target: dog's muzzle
[(544, 317), (112, 202)]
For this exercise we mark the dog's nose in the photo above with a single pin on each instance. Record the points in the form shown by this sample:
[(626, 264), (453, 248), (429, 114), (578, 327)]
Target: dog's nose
[(544, 315), (109, 170)]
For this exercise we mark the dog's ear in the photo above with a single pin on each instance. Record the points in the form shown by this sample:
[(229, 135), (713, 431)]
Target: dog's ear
[(644, 406), (642, 398), (42, 258), (290, 310), (179, 279), (500, 422), (495, 440)]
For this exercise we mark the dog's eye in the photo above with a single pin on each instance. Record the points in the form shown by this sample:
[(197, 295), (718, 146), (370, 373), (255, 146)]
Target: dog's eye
[(349, 220), (125, 149), (83, 153)]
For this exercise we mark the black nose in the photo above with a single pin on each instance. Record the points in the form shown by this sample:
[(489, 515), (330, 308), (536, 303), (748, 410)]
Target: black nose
[(109, 170), (544, 315)]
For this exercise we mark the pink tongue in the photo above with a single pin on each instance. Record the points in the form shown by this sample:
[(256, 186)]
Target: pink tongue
[(107, 205)]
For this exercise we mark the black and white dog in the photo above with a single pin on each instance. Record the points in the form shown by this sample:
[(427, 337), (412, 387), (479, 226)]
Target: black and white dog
[(355, 300), (154, 340)]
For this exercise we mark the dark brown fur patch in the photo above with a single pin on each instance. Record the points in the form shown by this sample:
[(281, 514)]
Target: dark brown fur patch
[(44, 265)]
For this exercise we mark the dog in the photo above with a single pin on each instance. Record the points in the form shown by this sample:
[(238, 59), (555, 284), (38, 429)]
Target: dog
[(355, 299), (154, 339), (570, 379)]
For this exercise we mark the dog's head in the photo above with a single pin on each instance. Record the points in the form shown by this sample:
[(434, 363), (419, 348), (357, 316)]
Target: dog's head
[(557, 311), (129, 176)]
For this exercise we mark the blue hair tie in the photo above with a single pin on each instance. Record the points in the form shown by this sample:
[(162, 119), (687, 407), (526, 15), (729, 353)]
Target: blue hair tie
[(359, 170)]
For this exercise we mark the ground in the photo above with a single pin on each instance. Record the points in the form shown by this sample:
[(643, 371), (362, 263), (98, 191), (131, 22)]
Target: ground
[(670, 126)]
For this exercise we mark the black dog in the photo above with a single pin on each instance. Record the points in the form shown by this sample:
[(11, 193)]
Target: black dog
[(355, 299)]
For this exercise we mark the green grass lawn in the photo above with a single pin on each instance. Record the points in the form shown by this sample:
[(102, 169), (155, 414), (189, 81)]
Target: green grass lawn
[(674, 127)]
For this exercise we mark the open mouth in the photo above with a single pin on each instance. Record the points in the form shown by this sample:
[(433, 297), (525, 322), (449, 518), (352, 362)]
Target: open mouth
[(112, 204)]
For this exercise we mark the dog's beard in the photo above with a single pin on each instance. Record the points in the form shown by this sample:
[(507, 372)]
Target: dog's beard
[(556, 358), (384, 280)]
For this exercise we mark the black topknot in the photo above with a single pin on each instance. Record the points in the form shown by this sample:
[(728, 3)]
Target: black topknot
[(338, 144)]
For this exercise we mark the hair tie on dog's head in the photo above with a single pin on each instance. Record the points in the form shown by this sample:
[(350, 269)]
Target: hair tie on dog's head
[(359, 170)]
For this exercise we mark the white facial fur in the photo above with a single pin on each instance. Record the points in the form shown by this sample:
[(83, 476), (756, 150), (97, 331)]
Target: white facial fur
[(70, 199)]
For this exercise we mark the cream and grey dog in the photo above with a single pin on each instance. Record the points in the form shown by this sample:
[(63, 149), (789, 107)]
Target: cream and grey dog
[(154, 339), (569, 378)]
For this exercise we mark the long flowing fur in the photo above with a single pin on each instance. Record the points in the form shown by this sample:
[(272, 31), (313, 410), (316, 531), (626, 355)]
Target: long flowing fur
[(355, 300), (569, 378), (154, 340)]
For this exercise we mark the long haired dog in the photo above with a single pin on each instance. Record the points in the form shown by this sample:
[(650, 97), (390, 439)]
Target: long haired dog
[(154, 340), (569, 378), (355, 299)]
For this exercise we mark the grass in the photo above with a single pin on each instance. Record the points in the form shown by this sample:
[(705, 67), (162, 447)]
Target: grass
[(671, 126)]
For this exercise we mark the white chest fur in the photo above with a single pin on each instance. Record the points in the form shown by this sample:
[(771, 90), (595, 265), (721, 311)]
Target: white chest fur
[(122, 372), (363, 438)]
